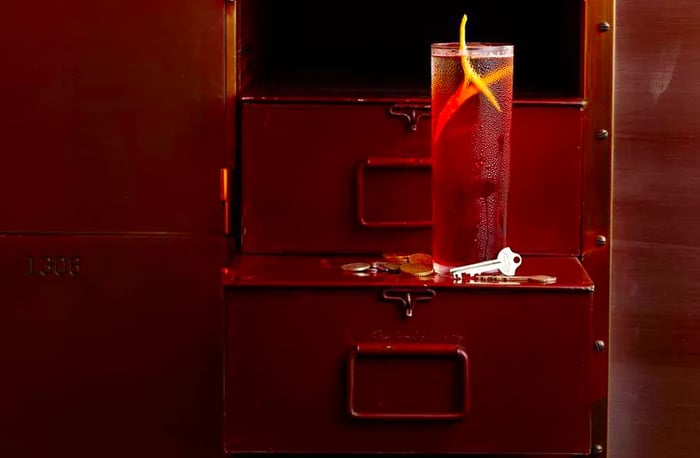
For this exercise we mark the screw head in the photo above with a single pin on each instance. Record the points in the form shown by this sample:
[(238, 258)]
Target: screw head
[(597, 449), (602, 134), (599, 345), (604, 26), (601, 240)]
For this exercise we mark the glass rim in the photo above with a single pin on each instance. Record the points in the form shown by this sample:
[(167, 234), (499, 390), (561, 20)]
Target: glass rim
[(474, 49)]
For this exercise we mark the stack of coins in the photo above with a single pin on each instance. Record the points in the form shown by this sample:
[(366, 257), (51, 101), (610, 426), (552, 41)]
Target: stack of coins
[(421, 258), (397, 258), (416, 264), (417, 270)]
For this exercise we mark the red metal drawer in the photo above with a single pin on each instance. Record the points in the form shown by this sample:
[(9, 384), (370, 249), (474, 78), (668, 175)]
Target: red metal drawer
[(306, 165), (322, 178), (317, 361)]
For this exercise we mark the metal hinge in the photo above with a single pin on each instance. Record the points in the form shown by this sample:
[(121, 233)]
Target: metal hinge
[(224, 198)]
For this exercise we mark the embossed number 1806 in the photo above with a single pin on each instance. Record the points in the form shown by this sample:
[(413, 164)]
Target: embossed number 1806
[(53, 265)]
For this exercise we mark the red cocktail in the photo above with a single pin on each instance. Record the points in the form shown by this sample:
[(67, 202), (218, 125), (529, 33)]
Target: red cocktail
[(471, 119)]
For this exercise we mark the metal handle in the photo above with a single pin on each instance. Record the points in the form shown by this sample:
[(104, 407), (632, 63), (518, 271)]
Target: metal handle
[(401, 350), (388, 163), (407, 297), (412, 113)]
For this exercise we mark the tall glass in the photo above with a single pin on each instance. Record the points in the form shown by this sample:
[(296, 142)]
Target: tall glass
[(471, 152)]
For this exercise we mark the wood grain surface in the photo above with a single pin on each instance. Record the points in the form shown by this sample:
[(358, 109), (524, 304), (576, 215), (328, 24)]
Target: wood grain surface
[(655, 351)]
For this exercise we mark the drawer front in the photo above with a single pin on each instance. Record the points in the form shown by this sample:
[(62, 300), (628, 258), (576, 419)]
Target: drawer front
[(354, 178), (341, 370), (333, 178)]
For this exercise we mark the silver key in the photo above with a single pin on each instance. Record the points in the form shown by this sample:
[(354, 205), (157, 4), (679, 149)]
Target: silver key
[(545, 279), (506, 262)]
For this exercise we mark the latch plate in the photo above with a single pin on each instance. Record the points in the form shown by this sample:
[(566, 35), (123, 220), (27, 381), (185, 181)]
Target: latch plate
[(407, 297)]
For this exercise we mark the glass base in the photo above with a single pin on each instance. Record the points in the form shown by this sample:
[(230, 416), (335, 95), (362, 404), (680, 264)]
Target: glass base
[(442, 269)]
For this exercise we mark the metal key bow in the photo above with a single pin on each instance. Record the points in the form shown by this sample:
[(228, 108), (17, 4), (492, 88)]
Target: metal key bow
[(506, 262)]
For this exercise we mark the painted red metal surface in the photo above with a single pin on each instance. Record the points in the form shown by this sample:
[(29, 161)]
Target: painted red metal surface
[(110, 346), (325, 272), (299, 193), (112, 116), (379, 197), (544, 199), (292, 325)]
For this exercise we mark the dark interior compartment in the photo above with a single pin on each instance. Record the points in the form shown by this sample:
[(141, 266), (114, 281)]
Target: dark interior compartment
[(382, 48)]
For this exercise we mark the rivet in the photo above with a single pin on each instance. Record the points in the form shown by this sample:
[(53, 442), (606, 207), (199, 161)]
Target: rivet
[(604, 26), (602, 134), (601, 240), (597, 449), (599, 345)]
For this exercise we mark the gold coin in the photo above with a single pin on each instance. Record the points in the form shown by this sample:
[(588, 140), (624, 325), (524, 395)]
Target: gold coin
[(356, 267), (418, 270), (398, 258), (421, 258)]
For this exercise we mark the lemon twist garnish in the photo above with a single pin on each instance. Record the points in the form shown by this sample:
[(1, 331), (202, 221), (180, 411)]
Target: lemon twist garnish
[(469, 72), (464, 93), (463, 52)]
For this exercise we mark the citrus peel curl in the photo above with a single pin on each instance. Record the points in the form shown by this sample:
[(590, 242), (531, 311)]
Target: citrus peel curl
[(467, 90)]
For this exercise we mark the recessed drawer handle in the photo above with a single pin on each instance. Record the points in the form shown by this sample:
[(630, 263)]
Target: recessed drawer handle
[(388, 163), (405, 353), (412, 113)]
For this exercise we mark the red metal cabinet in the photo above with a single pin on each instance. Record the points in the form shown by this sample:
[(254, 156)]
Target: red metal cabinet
[(317, 361), (354, 178)]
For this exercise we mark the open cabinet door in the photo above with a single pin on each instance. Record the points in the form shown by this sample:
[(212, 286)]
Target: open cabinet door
[(110, 346), (112, 116)]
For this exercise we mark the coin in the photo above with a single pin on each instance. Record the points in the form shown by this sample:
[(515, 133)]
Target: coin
[(418, 270), (387, 266), (356, 267), (421, 258), (361, 274), (398, 258)]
